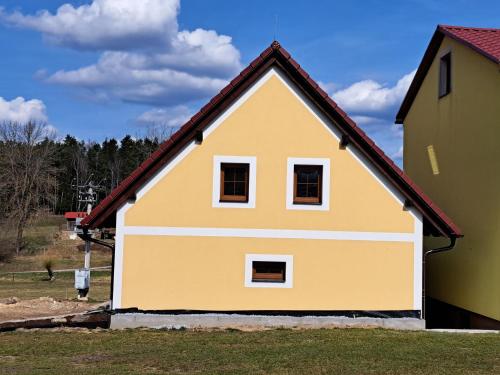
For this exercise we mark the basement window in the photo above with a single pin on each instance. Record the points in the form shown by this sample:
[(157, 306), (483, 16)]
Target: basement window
[(445, 75), (271, 272), (268, 271)]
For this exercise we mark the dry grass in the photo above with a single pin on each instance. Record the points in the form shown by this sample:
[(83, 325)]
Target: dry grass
[(46, 241), (65, 253), (35, 285)]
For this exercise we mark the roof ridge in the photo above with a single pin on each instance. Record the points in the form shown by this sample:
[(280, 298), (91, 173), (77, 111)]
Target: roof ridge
[(469, 28)]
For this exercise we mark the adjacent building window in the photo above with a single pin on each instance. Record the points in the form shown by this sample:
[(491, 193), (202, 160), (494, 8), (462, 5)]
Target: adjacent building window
[(234, 181), (271, 272), (308, 184), (268, 271), (445, 75)]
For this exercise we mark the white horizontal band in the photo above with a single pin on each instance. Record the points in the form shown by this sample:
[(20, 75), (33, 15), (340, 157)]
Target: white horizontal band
[(269, 233)]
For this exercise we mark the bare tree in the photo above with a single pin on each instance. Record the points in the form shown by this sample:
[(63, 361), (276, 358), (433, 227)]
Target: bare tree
[(27, 172), (158, 132)]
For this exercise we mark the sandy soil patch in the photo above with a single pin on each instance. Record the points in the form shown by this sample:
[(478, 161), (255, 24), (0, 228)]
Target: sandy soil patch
[(15, 309)]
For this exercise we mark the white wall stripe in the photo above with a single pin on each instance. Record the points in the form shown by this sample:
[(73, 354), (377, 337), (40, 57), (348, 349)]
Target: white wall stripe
[(268, 233)]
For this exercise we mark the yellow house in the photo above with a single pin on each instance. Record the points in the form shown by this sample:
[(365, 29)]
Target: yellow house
[(451, 117), (269, 201)]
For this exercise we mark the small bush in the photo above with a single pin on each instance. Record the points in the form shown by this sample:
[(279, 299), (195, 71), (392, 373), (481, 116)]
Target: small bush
[(7, 250), (48, 264)]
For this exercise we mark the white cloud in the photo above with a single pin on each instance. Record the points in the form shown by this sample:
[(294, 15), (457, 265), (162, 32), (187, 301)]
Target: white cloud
[(398, 154), (364, 120), (369, 96), (146, 58), (169, 117), (104, 24), (20, 110), (119, 75), (373, 105)]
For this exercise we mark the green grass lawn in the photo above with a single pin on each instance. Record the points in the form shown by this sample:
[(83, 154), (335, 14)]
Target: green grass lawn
[(35, 285), (337, 351)]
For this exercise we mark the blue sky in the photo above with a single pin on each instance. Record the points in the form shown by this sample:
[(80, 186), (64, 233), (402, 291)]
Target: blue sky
[(105, 68)]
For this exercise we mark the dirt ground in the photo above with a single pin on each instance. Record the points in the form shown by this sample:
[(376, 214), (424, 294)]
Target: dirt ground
[(25, 292), (14, 309)]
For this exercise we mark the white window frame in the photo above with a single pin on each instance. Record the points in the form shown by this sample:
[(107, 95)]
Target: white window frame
[(325, 184), (250, 258), (252, 180)]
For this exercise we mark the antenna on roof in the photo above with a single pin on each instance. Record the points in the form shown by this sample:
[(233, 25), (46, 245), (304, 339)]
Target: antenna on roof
[(275, 27)]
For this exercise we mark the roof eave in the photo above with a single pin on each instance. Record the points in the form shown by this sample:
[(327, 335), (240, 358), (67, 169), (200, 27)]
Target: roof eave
[(420, 74)]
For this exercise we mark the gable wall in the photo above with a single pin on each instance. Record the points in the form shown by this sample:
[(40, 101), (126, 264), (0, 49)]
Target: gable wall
[(464, 129), (174, 250), (272, 125)]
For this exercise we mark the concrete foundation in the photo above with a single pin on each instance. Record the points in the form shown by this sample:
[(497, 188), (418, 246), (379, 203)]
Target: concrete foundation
[(239, 321)]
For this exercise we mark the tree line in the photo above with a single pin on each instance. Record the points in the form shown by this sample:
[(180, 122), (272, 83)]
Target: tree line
[(39, 172)]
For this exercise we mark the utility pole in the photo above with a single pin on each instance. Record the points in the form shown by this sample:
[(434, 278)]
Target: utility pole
[(87, 196), (90, 194)]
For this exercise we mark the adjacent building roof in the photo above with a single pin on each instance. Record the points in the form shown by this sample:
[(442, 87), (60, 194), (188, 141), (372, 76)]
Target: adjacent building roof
[(435, 220), (482, 40), (74, 215)]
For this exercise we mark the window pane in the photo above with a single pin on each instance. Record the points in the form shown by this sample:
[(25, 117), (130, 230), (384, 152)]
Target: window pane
[(239, 188), (312, 190), (228, 174), (239, 174), (307, 174), (301, 176), (312, 176), (301, 190), (229, 188)]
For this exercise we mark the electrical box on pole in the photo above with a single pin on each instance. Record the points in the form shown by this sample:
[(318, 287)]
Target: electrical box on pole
[(87, 197)]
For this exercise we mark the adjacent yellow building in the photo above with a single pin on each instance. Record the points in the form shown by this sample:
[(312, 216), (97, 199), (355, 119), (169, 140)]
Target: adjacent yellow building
[(270, 199), (451, 118)]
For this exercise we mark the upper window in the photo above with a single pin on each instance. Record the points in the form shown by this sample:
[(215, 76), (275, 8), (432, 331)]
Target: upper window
[(307, 184), (445, 75), (234, 182)]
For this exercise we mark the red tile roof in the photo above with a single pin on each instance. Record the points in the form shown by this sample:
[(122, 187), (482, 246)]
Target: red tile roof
[(435, 220), (482, 40), (74, 215)]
